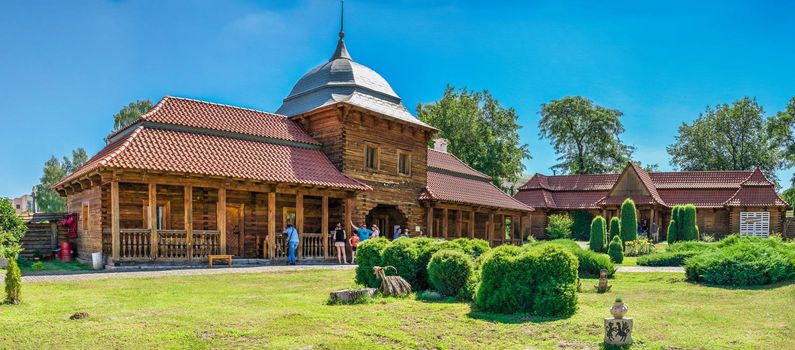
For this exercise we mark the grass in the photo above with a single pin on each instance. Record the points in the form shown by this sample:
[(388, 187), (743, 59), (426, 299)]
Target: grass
[(52, 265), (288, 310), (629, 261)]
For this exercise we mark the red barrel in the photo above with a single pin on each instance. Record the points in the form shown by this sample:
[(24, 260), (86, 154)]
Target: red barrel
[(66, 251)]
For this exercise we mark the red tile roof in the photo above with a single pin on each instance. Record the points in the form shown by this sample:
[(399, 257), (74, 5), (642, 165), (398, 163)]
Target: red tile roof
[(465, 190), (448, 162), (213, 116), (705, 189), (207, 154)]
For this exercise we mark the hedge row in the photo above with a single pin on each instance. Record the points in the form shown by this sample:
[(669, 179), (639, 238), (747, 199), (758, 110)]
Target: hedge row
[(676, 254), (743, 261), (590, 262)]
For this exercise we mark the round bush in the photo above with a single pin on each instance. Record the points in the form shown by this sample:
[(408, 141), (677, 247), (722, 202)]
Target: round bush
[(556, 275), (498, 289), (473, 247), (616, 250), (369, 254), (745, 261), (559, 226), (449, 271), (404, 255), (590, 262)]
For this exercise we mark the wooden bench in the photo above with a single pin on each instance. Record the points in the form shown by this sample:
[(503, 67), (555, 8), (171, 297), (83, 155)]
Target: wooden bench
[(210, 258)]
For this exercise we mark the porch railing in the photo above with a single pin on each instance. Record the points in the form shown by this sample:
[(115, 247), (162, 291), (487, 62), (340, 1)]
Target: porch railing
[(310, 247), (206, 242), (135, 243), (172, 244)]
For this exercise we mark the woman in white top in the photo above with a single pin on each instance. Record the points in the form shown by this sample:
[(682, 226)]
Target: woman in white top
[(376, 231)]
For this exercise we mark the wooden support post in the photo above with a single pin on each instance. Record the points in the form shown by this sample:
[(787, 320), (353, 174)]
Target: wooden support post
[(115, 229), (445, 219), (471, 224), (458, 223), (299, 223), (271, 225), (153, 219), (241, 237), (430, 220), (221, 219), (188, 199), (348, 215), (491, 229), (324, 225)]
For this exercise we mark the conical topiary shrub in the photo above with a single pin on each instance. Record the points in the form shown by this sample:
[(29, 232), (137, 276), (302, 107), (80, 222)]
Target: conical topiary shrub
[(615, 227), (689, 224), (616, 250), (13, 282), (629, 221), (671, 232), (597, 241)]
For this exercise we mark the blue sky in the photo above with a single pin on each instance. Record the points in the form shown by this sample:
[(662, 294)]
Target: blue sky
[(67, 67)]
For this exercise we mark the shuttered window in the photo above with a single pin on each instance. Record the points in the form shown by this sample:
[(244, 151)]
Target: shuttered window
[(755, 223)]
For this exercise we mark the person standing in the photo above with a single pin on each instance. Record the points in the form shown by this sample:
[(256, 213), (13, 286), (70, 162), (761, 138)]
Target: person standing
[(376, 231), (354, 240), (362, 231), (339, 236), (292, 241)]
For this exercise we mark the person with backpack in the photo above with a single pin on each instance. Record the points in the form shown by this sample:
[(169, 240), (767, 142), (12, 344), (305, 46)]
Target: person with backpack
[(292, 240)]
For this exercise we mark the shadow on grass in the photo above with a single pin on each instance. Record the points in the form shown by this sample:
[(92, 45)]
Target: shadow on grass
[(509, 318)]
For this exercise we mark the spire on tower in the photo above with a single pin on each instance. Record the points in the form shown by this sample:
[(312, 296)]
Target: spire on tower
[(341, 51)]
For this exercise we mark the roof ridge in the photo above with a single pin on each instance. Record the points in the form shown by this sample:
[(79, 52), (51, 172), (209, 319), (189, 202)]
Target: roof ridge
[(462, 162), (218, 104)]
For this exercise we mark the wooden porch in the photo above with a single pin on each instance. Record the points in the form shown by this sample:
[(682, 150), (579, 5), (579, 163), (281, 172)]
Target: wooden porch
[(451, 221)]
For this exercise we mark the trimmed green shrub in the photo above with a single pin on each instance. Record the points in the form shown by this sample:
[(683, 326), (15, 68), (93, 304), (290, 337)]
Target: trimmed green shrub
[(616, 250), (695, 246), (13, 282), (671, 234), (559, 226), (743, 261), (597, 242), (449, 271), (666, 258), (629, 221), (581, 228), (12, 229), (404, 255), (689, 227), (590, 262), (369, 254), (615, 227), (473, 247), (538, 279)]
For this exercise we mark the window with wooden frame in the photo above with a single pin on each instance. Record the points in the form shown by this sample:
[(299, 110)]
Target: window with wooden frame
[(288, 217), (162, 215), (84, 212), (404, 162), (371, 153)]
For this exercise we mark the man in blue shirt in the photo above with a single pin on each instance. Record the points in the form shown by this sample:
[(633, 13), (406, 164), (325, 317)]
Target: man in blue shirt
[(292, 241), (363, 232)]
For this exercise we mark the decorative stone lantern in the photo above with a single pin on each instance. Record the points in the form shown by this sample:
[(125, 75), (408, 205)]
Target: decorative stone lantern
[(618, 330)]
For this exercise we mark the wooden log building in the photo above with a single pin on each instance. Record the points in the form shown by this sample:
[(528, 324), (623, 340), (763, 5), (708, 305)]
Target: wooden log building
[(192, 178), (726, 202)]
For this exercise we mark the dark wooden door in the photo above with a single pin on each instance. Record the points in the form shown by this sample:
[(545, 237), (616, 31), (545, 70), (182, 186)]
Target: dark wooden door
[(234, 230)]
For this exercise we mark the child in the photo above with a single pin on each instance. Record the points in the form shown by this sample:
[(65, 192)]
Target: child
[(354, 240)]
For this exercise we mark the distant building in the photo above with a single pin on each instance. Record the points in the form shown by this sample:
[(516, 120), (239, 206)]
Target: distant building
[(23, 204)]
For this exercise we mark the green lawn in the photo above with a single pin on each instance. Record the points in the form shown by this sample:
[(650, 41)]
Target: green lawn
[(287, 310), (26, 266)]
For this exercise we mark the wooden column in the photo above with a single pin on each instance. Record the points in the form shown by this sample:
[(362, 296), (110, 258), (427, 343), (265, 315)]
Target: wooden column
[(490, 229), (221, 218), (115, 230), (472, 224), (153, 219), (430, 220), (299, 223), (348, 215), (188, 199), (458, 223), (445, 219), (271, 225), (324, 225)]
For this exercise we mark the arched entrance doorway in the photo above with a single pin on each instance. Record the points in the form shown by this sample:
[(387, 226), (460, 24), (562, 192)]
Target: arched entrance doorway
[(386, 217)]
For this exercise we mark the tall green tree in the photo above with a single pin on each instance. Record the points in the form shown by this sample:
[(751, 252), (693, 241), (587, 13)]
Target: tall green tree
[(598, 237), (730, 137), (12, 229), (585, 136), (130, 113), (481, 132), (47, 199), (782, 130)]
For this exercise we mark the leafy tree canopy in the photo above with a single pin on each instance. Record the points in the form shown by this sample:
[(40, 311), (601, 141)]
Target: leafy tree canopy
[(730, 137), (47, 199), (481, 132), (584, 135), (130, 113)]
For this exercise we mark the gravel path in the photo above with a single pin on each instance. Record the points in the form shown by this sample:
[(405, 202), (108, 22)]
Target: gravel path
[(650, 269), (174, 272)]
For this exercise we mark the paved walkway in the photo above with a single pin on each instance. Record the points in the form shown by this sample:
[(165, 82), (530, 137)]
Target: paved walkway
[(650, 269), (89, 275)]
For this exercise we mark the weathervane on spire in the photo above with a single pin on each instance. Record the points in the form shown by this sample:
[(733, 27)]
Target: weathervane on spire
[(341, 51)]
